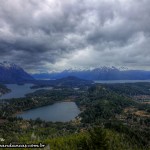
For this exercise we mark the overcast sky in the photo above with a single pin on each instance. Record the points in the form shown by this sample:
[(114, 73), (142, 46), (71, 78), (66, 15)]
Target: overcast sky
[(48, 35)]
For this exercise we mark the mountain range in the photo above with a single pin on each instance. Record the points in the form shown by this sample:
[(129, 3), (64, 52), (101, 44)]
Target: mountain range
[(102, 73), (11, 73)]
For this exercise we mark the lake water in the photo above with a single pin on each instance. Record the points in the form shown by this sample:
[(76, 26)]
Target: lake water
[(120, 81), (62, 112), (18, 91)]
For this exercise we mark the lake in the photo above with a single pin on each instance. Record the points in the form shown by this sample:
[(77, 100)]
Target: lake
[(18, 91), (62, 112), (120, 81)]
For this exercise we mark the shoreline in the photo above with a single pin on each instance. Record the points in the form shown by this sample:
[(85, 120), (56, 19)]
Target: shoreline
[(20, 112)]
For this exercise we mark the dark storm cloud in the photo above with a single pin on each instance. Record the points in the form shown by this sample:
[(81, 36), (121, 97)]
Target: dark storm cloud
[(56, 34)]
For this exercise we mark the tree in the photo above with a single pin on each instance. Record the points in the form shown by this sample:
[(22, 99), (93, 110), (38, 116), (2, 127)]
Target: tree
[(99, 140)]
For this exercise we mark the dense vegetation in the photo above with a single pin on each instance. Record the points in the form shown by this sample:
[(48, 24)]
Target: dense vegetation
[(100, 103), (130, 89), (111, 119)]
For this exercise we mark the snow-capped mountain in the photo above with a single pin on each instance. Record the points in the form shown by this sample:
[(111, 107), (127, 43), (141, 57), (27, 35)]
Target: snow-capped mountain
[(11, 73), (101, 73), (8, 65)]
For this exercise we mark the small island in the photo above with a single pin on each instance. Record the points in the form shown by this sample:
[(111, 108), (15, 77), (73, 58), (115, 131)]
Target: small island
[(3, 89)]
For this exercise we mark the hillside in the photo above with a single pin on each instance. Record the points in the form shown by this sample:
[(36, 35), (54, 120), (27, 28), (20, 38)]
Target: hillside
[(110, 119)]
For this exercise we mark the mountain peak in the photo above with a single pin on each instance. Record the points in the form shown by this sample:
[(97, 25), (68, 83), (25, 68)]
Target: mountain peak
[(8, 65), (12, 73), (105, 69)]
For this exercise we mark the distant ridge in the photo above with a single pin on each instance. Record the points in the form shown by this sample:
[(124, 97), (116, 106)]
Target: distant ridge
[(11, 73), (102, 73), (69, 81)]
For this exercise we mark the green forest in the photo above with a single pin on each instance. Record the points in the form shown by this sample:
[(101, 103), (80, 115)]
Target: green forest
[(111, 118)]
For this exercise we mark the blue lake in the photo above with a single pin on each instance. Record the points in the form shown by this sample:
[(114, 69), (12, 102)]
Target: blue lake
[(18, 91), (62, 112), (120, 81)]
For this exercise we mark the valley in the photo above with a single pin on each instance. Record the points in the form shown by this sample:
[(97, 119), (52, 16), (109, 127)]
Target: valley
[(108, 111)]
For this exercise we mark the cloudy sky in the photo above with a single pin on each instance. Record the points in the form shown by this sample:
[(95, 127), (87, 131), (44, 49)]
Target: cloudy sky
[(48, 35)]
